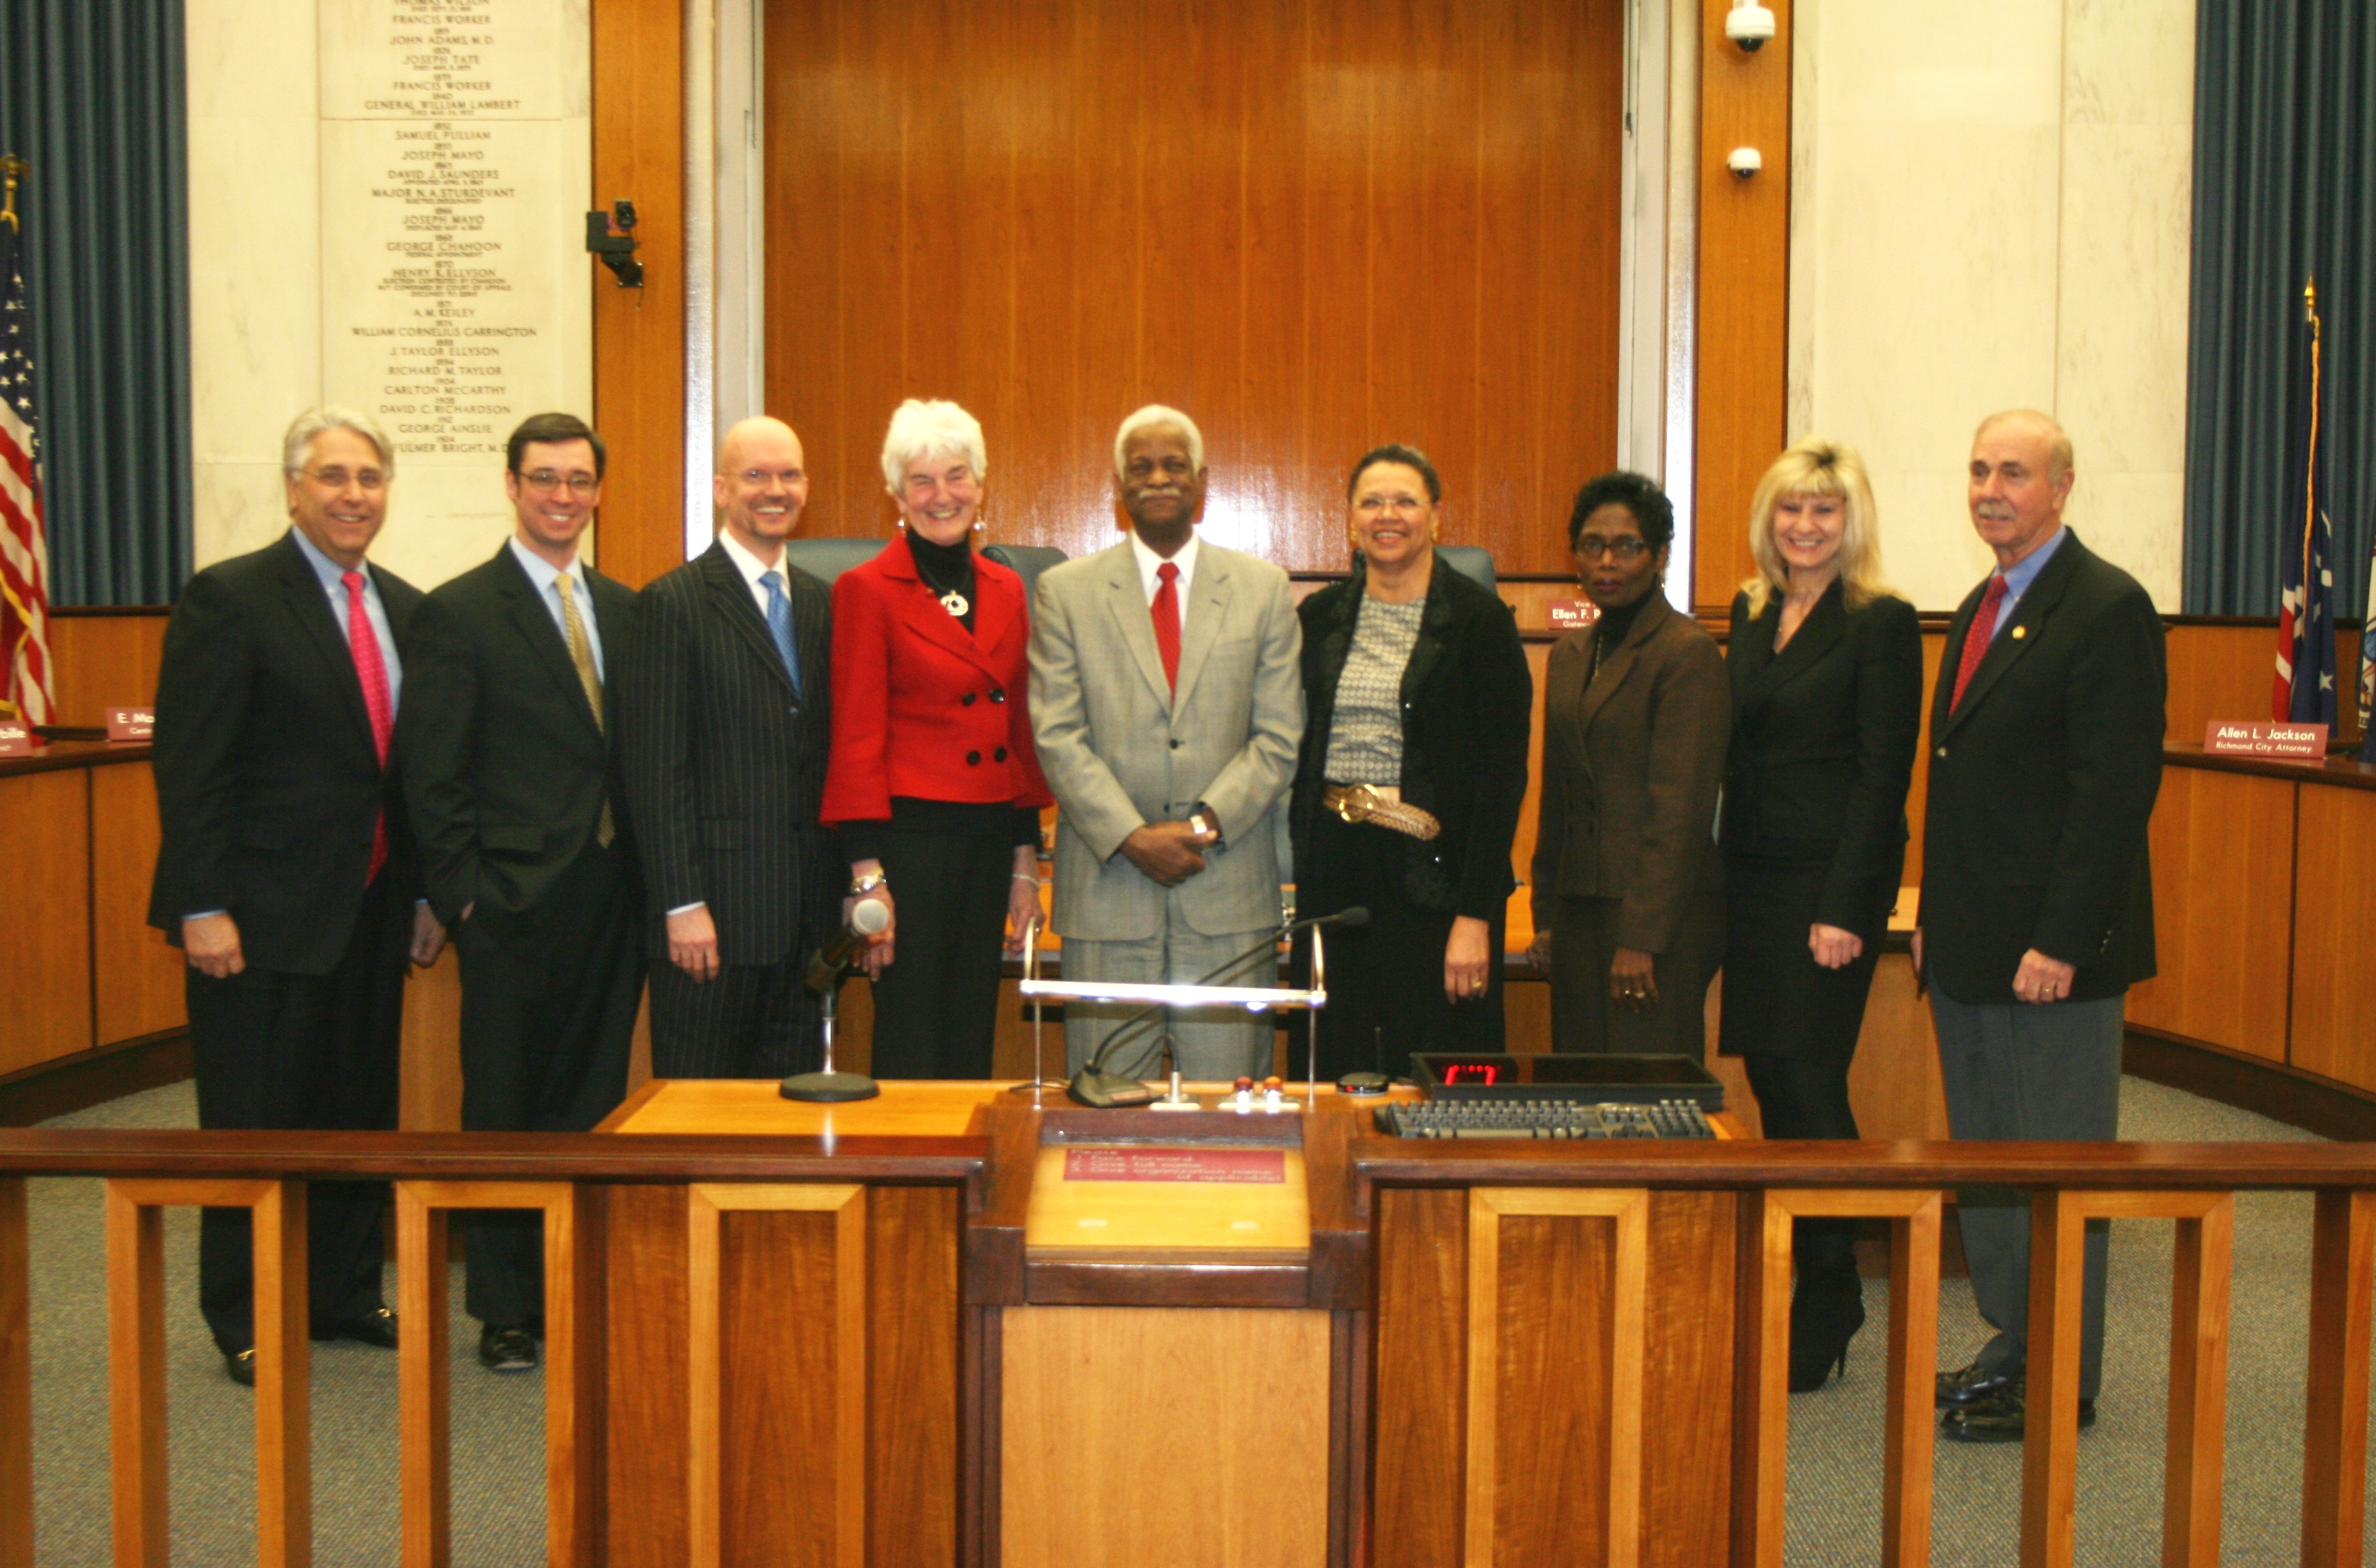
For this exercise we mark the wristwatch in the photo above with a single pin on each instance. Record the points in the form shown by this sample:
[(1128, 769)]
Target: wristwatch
[(862, 885), (1201, 821)]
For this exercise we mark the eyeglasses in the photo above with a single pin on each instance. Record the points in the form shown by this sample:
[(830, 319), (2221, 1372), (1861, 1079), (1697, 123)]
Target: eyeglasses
[(759, 478), (1400, 506), (544, 481), (339, 479), (1592, 547)]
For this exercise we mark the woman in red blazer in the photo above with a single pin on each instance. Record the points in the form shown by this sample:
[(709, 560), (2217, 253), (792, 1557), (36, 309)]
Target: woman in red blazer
[(933, 782)]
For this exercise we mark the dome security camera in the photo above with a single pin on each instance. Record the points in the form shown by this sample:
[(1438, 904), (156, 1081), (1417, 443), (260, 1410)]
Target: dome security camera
[(1749, 25), (1744, 161)]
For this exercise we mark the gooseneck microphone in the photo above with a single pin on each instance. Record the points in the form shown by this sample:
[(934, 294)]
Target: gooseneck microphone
[(823, 977), (1094, 1085)]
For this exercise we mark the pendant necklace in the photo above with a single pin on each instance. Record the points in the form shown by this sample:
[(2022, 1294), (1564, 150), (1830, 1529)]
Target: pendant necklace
[(955, 603)]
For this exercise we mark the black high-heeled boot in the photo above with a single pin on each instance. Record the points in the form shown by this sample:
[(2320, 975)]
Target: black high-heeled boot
[(1825, 1313)]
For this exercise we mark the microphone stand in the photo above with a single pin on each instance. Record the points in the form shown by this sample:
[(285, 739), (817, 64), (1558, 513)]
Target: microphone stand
[(825, 1086)]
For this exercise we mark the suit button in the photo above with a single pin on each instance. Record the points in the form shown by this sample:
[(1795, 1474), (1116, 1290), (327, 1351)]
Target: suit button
[(1175, 745), (973, 759), (966, 700), (998, 694), (999, 755), (1942, 750)]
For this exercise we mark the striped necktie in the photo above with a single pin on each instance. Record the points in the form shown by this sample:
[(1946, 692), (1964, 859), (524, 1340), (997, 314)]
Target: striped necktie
[(581, 658)]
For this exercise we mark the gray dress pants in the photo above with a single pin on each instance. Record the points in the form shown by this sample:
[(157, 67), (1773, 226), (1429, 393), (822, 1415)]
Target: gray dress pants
[(2019, 1069)]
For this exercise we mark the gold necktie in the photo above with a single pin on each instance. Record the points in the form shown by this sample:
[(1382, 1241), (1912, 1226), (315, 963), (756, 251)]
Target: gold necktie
[(581, 655)]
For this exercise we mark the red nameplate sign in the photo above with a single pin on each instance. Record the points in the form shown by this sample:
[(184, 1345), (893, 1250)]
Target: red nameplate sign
[(131, 723), (2306, 743), (1255, 1165), (1569, 614), (16, 740)]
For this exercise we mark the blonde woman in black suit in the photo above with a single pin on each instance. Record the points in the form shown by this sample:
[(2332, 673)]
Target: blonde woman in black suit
[(1827, 671)]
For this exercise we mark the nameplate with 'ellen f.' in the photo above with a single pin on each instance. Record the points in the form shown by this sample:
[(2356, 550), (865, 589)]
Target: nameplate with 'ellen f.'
[(2296, 743)]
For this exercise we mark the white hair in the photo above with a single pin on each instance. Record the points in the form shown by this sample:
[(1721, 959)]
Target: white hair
[(298, 443), (930, 430), (1154, 416)]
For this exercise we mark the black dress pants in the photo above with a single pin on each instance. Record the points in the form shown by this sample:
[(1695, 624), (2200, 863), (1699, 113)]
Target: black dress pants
[(937, 1006), (1385, 979), (278, 1050), (548, 998)]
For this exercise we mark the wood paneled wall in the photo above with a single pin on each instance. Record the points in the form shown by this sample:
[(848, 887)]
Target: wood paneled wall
[(639, 334), (1313, 228), (105, 660), (1744, 292)]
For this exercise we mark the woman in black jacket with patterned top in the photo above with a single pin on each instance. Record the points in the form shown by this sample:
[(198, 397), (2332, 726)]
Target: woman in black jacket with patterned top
[(1407, 795), (1826, 669)]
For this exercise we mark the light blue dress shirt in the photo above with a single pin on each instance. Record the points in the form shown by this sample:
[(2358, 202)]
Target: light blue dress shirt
[(333, 577), (547, 578), (2020, 574)]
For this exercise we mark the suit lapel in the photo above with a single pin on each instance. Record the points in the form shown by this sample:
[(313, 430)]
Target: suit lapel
[(525, 607), (614, 611), (2017, 637), (1619, 662), (1434, 626), (1126, 597), (996, 603), (310, 606), (1816, 636), (732, 597), (1201, 626), (929, 619)]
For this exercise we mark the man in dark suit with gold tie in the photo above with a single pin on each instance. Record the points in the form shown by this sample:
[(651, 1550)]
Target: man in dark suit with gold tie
[(2036, 892), (510, 767), (725, 726), (285, 870)]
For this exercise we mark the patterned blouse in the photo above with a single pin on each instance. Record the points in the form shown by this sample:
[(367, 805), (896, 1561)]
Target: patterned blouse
[(1365, 737)]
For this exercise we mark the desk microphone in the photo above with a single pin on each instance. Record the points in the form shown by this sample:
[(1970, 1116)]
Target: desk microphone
[(1094, 1085), (867, 918)]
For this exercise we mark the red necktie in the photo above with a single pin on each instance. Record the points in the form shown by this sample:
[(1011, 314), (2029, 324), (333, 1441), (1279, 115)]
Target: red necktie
[(1165, 608), (1976, 638), (372, 671)]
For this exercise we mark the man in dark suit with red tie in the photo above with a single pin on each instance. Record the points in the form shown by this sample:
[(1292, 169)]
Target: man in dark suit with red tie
[(725, 724), (511, 766), (286, 870), (2036, 910)]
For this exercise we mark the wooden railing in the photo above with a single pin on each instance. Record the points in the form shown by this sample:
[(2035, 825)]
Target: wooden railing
[(1771, 1184)]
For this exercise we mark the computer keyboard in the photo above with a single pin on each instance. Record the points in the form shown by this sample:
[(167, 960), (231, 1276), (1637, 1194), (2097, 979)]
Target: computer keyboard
[(1543, 1119)]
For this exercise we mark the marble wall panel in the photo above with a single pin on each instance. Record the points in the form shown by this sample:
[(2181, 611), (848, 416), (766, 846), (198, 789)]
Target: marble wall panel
[(1887, 62)]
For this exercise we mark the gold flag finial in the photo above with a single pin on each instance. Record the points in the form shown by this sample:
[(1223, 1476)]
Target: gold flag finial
[(2310, 299), (13, 171)]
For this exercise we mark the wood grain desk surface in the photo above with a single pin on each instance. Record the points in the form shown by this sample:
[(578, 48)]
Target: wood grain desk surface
[(731, 1106)]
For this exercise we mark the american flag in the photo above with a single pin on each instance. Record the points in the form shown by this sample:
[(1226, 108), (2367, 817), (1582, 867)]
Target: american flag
[(24, 551), (2304, 691)]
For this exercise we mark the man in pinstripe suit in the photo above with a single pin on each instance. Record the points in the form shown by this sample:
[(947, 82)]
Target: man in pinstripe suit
[(724, 728)]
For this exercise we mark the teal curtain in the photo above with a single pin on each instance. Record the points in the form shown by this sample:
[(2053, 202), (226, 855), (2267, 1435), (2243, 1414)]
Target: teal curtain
[(2284, 187), (91, 96)]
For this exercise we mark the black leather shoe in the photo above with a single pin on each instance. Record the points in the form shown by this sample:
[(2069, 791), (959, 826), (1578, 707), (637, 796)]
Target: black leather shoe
[(377, 1326), (2000, 1418), (1974, 1383), (241, 1366), (506, 1348), (1824, 1315)]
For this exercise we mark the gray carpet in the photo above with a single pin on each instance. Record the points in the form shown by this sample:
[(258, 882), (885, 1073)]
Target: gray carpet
[(498, 1423), (498, 1435)]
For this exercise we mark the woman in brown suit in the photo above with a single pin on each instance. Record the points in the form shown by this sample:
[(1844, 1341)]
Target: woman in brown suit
[(1628, 888)]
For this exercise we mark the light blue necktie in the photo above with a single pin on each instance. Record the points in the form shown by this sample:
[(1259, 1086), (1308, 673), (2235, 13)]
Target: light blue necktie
[(779, 625)]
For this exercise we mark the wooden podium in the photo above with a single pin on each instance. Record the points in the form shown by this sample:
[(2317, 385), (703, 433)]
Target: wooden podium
[(1027, 1332)]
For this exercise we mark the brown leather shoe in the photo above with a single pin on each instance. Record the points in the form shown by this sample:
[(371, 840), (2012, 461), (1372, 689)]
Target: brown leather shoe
[(1999, 1418)]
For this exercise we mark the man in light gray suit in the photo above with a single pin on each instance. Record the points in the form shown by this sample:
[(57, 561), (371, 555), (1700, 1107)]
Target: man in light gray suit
[(1166, 707)]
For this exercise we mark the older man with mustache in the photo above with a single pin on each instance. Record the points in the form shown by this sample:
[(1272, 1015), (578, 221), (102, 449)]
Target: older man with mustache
[(2037, 896)]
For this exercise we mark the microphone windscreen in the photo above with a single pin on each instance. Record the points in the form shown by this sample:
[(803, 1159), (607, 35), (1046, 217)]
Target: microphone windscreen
[(1358, 915), (870, 915)]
